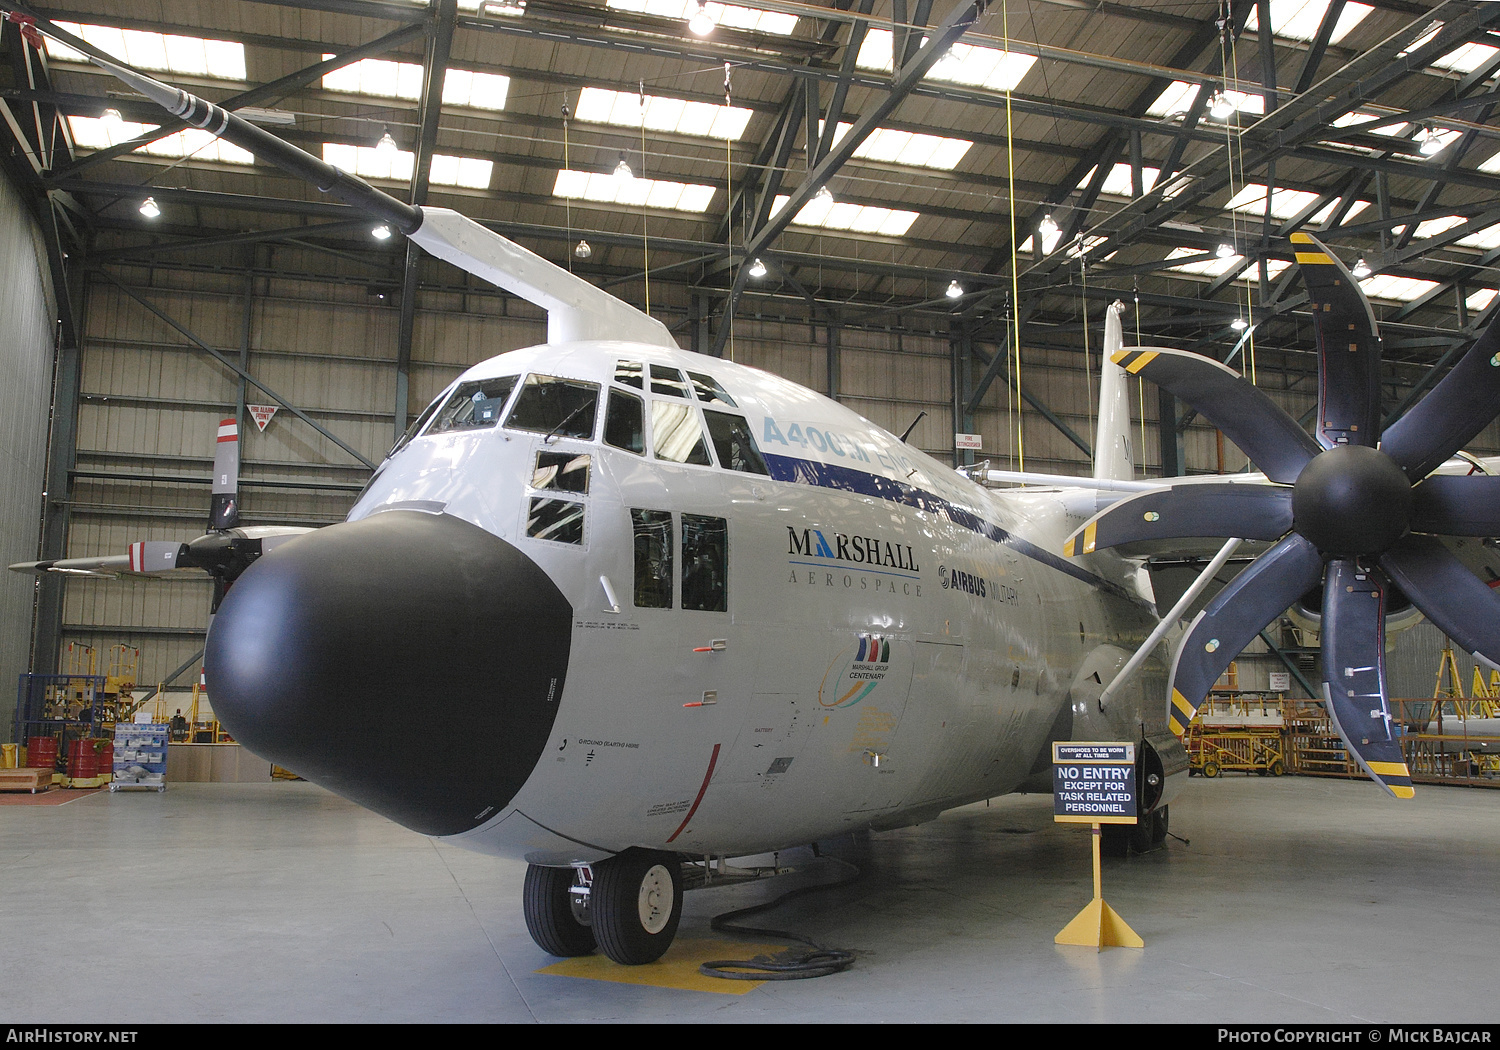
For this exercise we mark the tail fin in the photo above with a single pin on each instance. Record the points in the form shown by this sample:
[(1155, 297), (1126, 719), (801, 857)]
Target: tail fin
[(1114, 459)]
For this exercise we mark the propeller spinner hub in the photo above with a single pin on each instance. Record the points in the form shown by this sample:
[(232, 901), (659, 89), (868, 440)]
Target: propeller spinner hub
[(1352, 500)]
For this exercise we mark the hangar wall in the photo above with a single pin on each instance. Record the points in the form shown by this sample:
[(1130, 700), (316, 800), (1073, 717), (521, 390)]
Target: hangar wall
[(27, 324), (321, 330)]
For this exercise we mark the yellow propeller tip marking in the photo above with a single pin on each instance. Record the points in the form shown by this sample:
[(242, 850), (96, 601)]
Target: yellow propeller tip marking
[(1313, 259), (1403, 792), (1301, 238), (1141, 362), (1089, 537), (1068, 548)]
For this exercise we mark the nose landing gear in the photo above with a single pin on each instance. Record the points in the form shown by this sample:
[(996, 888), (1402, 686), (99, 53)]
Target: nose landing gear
[(629, 906)]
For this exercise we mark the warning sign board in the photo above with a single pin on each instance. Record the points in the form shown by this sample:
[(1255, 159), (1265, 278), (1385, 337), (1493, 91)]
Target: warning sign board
[(262, 415), (1093, 782)]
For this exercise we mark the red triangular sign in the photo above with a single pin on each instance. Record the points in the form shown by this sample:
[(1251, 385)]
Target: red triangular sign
[(262, 415)]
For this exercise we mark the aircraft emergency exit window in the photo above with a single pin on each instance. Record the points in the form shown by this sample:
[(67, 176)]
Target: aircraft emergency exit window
[(708, 389), (734, 442), (629, 373), (476, 403), (559, 520), (667, 381), (417, 425), (564, 471), (705, 563), (625, 422), (653, 558), (676, 435), (552, 406)]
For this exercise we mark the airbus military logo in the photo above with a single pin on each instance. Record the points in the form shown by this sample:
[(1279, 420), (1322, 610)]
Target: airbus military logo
[(858, 678), (839, 560), (976, 586)]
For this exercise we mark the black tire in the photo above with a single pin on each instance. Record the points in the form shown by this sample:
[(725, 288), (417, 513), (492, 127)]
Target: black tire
[(636, 905), (550, 918), (1160, 821), (1210, 769), (1114, 840), (1277, 768)]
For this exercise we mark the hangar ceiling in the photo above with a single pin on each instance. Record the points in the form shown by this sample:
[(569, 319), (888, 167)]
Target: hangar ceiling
[(1148, 133)]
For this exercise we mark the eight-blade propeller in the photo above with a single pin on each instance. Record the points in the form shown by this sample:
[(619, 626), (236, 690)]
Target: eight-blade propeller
[(1351, 509)]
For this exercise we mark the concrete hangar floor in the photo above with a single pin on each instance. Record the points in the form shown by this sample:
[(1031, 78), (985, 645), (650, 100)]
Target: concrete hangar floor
[(1296, 901)]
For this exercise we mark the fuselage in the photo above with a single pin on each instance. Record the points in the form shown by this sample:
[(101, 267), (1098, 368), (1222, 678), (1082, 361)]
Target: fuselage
[(730, 615)]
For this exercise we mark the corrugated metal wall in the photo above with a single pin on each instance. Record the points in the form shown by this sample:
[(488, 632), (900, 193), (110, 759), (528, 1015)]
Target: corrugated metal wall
[(26, 356)]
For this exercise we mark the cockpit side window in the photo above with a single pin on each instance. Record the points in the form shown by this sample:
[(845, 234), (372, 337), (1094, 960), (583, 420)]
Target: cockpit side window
[(705, 563), (417, 425), (708, 389), (625, 422), (472, 405), (653, 558), (676, 434), (734, 442), (667, 381), (552, 406)]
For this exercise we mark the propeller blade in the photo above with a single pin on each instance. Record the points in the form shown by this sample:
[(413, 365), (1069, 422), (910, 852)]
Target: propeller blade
[(1457, 602), (1348, 348), (224, 511), (1457, 505), (1353, 639), (1237, 614), (1460, 406), (158, 556), (1271, 438), (1220, 510)]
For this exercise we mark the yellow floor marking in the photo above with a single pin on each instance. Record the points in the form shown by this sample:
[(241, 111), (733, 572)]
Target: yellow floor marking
[(677, 969)]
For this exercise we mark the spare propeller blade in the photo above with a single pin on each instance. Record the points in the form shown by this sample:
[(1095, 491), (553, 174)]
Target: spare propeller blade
[(1348, 348), (1237, 614), (1220, 510), (1353, 642), (1247, 416), (1452, 597), (1460, 406), (224, 511)]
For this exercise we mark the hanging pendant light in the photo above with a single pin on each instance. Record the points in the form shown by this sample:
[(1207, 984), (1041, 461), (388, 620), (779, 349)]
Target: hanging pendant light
[(386, 148), (954, 290), (1362, 269), (702, 23), (582, 249), (757, 269), (149, 208), (622, 169), (381, 232), (1047, 227)]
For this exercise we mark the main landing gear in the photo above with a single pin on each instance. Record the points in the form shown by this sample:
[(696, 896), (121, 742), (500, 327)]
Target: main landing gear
[(629, 905)]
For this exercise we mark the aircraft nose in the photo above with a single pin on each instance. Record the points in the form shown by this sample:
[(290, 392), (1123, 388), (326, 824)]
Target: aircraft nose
[(411, 662)]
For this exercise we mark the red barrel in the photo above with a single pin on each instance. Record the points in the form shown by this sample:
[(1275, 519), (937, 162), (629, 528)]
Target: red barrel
[(41, 752), (106, 751), (83, 760)]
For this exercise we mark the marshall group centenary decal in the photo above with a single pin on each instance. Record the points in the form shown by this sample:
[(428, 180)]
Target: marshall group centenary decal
[(836, 559), (859, 677)]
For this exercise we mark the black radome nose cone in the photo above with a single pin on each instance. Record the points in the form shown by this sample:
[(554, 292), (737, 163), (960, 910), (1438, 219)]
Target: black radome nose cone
[(410, 662)]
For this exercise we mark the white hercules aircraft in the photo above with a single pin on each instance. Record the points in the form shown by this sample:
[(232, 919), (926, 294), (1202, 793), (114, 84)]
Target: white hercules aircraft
[(625, 611)]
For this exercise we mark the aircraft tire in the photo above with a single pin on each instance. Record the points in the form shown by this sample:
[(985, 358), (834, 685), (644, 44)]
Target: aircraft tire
[(549, 914), (636, 905)]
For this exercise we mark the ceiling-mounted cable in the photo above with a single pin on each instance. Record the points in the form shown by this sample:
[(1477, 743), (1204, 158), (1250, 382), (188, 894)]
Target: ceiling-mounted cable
[(1015, 264), (729, 205), (645, 241)]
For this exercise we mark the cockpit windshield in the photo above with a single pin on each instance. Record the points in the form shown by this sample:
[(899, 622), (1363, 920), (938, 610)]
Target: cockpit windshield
[(474, 404), (556, 407)]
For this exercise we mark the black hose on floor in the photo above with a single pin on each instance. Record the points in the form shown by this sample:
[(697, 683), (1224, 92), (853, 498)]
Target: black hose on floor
[(788, 965)]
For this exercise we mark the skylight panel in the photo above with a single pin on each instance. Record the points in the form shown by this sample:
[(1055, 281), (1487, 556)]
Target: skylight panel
[(376, 76), (96, 133), (906, 147), (170, 54), (465, 87), (1357, 117), (1117, 182), (470, 172), (1301, 19), (1396, 289), (730, 16), (1049, 243), (858, 218), (1480, 299), (970, 64), (1433, 227), (368, 162), (1288, 203), (1463, 59), (636, 192), (1178, 98), (1491, 165), (623, 108), (1487, 238), (1210, 267)]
